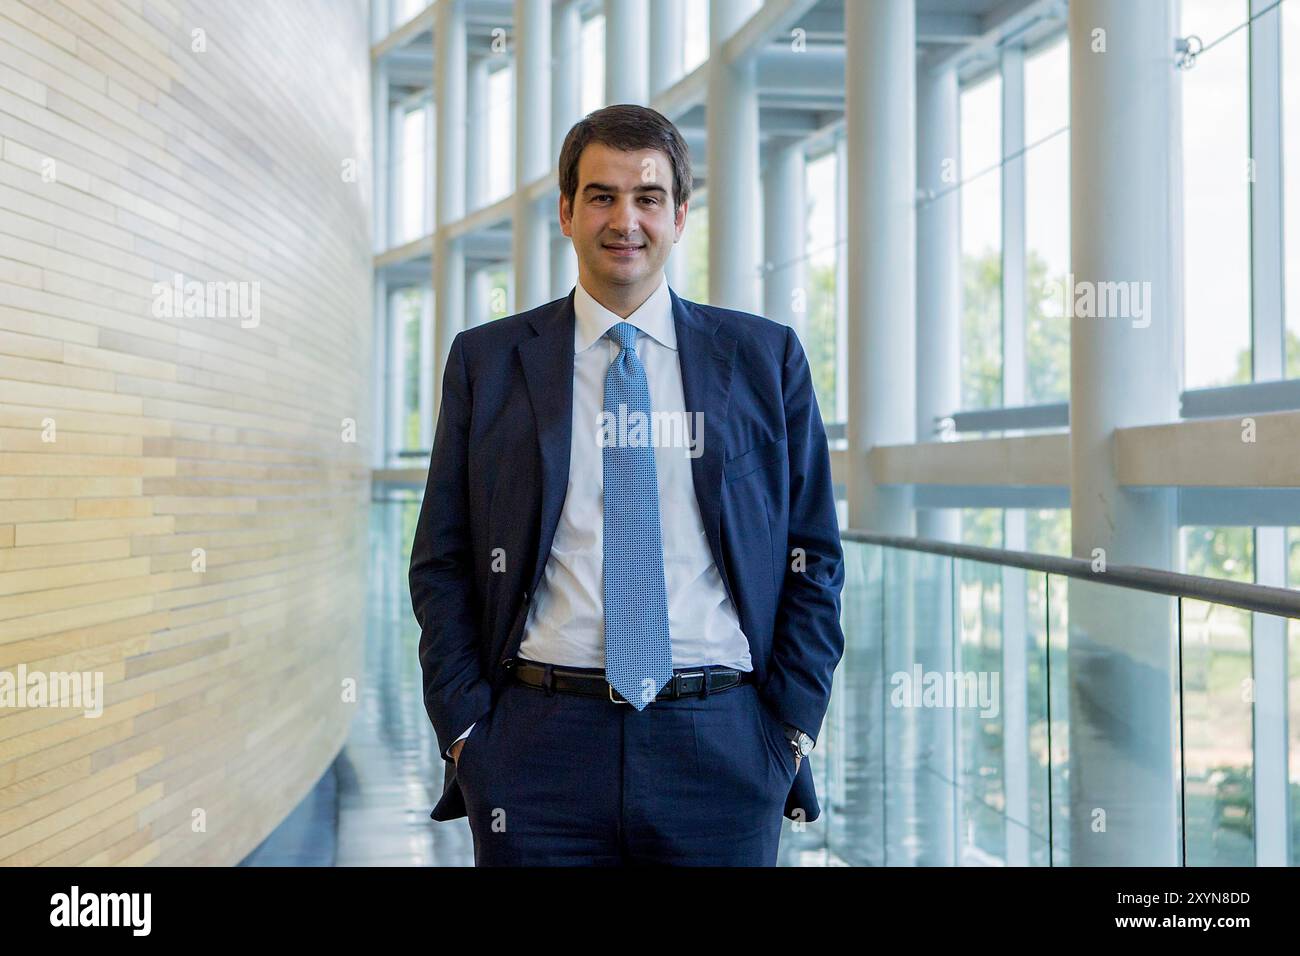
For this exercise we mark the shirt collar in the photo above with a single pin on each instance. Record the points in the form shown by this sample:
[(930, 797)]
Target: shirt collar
[(654, 317)]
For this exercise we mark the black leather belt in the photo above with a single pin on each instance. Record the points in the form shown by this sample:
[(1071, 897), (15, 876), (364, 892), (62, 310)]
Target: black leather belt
[(685, 682)]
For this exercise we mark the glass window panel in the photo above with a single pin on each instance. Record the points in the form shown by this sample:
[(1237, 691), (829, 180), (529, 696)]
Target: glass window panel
[(981, 244), (1047, 222), (695, 238), (1227, 553), (918, 724), (501, 132), (1291, 174), (593, 64), (820, 245), (857, 784), (413, 175), (981, 770), (1216, 197), (1126, 694), (1047, 531), (1293, 725), (1219, 794), (410, 303), (697, 35)]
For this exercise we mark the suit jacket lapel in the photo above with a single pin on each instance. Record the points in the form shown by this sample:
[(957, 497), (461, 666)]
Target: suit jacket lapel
[(706, 356), (547, 361)]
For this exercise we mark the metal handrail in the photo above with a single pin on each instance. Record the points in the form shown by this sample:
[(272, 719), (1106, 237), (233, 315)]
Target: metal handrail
[(1260, 598)]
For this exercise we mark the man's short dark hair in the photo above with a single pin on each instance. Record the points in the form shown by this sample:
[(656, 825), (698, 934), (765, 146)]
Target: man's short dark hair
[(628, 127)]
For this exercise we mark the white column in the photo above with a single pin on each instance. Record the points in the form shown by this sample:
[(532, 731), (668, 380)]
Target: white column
[(380, 114), (938, 258), (566, 71), (448, 256), (732, 165), (938, 371), (785, 284), (626, 52), (880, 82), (531, 240), (477, 105), (667, 49), (1124, 227)]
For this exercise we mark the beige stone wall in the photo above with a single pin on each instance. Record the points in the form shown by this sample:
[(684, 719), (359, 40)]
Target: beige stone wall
[(130, 436)]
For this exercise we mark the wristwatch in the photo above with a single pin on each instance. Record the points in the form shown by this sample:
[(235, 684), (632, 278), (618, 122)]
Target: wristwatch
[(801, 742)]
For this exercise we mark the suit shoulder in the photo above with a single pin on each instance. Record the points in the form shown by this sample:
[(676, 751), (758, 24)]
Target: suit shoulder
[(746, 327)]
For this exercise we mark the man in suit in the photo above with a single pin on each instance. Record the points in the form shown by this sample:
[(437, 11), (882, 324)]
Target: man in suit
[(627, 632)]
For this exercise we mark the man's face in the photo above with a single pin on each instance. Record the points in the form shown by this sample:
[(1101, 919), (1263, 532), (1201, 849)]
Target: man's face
[(622, 220)]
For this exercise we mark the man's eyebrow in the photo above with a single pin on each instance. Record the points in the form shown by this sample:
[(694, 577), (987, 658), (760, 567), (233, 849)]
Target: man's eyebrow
[(643, 188)]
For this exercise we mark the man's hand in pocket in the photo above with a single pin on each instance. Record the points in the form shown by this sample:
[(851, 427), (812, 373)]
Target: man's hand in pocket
[(455, 750)]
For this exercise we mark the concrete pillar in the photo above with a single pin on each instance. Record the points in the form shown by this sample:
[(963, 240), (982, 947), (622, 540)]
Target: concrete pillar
[(1124, 226), (477, 106), (938, 256), (938, 394), (880, 89), (566, 72), (732, 165), (531, 239), (667, 49), (626, 52), (448, 257), (785, 267), (383, 175)]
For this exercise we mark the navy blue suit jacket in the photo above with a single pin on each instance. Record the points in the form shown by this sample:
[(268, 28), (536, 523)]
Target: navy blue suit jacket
[(497, 480)]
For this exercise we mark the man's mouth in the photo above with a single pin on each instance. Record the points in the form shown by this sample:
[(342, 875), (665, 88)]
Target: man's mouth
[(622, 250)]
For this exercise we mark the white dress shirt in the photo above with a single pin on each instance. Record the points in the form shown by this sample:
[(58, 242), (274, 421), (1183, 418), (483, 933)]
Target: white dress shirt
[(566, 619)]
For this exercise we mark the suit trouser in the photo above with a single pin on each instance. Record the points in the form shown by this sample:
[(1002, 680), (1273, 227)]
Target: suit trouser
[(562, 779)]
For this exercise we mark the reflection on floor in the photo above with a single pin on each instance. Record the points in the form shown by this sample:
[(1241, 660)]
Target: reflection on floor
[(372, 807)]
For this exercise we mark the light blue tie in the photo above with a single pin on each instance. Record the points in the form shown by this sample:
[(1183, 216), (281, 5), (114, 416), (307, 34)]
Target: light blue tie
[(638, 652)]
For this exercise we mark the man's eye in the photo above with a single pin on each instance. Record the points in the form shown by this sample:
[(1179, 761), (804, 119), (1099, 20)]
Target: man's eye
[(650, 199)]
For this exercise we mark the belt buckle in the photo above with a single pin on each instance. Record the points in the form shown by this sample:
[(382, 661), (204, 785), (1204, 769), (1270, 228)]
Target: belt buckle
[(677, 686), (610, 687)]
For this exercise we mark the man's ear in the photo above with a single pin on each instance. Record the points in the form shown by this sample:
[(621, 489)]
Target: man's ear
[(679, 222), (566, 217)]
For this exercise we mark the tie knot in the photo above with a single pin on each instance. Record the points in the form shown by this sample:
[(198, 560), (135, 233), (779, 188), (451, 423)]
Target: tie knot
[(624, 333)]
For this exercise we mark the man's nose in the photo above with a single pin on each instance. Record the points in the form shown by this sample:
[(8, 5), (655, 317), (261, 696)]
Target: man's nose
[(623, 219)]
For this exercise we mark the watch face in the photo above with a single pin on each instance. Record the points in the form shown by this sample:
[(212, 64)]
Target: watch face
[(805, 744)]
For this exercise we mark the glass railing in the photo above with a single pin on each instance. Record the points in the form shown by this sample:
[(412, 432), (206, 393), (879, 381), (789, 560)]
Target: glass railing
[(969, 674)]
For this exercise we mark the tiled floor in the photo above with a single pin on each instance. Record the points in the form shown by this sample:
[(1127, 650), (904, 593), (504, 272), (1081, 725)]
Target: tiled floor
[(372, 807)]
